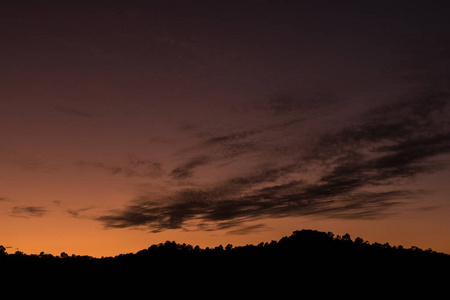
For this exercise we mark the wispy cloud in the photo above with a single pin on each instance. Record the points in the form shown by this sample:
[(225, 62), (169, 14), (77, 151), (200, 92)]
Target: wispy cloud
[(186, 169), (26, 162), (392, 142), (248, 229), (74, 212), (72, 111), (230, 205), (28, 211), (77, 213), (135, 167), (353, 171)]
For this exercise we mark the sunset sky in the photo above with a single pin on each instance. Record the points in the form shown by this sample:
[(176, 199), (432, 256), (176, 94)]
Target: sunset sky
[(129, 123)]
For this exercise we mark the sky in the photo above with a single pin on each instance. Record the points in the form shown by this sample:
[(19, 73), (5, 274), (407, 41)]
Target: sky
[(129, 123)]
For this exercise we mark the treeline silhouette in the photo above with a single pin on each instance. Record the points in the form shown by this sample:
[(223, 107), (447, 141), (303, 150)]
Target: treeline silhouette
[(304, 250)]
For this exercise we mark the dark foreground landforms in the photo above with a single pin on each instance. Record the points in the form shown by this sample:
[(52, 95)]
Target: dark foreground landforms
[(304, 252), (308, 262)]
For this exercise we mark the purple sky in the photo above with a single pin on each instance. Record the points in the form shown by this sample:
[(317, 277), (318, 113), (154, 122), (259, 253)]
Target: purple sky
[(212, 122)]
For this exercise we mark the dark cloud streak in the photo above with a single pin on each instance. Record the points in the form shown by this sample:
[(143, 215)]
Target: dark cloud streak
[(135, 167), (186, 169), (72, 111), (363, 170), (28, 211)]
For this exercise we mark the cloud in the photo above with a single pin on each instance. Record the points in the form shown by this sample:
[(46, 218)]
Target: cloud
[(282, 103), (221, 149), (277, 115), (28, 211), (396, 141), (24, 161), (76, 213), (231, 137), (252, 197), (248, 229), (185, 170), (360, 170), (213, 210), (72, 111), (135, 167), (172, 211), (215, 148)]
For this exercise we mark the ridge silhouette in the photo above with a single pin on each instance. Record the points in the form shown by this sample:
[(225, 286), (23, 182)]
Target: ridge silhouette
[(307, 260), (308, 248)]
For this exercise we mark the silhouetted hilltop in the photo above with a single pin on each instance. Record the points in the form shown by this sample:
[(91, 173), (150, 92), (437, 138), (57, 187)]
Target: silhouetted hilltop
[(307, 249)]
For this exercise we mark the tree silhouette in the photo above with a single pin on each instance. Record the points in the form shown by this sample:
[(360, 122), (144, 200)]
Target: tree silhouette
[(359, 241), (305, 250), (346, 237)]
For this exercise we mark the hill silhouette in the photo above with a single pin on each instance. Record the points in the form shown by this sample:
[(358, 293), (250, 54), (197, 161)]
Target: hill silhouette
[(307, 261), (305, 249)]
